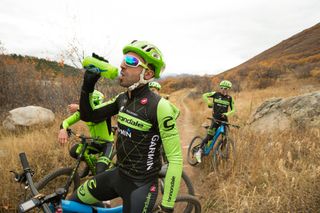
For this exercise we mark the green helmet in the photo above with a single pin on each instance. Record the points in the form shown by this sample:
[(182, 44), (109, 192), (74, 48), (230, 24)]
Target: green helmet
[(97, 97), (225, 84), (154, 84), (150, 53)]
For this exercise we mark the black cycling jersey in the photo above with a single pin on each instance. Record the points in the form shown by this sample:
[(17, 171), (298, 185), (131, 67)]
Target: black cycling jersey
[(220, 104), (145, 122)]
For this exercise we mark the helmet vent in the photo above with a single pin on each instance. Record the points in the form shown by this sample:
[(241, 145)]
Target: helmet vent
[(149, 49), (133, 41)]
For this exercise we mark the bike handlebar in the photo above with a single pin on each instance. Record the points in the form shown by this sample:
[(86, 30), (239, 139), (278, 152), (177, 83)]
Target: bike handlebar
[(224, 122), (28, 176), (24, 161), (86, 138)]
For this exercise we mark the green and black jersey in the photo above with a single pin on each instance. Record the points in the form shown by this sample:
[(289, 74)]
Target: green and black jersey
[(101, 130), (220, 104), (145, 122)]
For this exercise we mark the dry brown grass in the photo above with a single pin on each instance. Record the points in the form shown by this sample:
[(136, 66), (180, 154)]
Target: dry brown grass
[(43, 152), (273, 173), (278, 173)]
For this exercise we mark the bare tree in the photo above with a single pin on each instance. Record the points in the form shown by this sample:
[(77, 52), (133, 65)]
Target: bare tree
[(2, 48)]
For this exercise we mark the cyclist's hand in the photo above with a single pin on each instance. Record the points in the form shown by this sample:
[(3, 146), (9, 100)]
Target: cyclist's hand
[(63, 136), (73, 108), (89, 80), (162, 209)]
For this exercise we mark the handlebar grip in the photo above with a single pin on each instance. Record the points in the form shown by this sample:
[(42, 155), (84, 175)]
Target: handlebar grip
[(24, 161)]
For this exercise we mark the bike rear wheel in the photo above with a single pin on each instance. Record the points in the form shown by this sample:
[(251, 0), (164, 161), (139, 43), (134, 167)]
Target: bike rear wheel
[(192, 149), (57, 179), (183, 201), (224, 154)]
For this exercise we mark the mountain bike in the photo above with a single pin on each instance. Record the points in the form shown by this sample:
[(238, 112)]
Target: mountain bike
[(54, 202), (72, 175), (222, 145)]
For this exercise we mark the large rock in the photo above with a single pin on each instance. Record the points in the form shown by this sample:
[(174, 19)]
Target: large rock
[(280, 114), (28, 116)]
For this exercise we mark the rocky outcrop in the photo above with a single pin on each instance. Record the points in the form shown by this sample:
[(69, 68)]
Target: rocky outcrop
[(280, 114), (28, 116)]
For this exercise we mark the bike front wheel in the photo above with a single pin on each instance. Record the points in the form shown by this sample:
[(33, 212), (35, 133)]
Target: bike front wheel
[(57, 179), (224, 154), (194, 146)]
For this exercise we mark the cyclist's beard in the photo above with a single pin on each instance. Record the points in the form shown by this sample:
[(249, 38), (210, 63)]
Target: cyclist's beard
[(141, 81)]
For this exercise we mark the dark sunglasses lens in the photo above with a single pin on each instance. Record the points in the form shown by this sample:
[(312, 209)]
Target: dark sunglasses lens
[(131, 61)]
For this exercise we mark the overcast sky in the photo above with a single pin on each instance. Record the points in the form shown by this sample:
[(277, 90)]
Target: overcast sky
[(196, 37)]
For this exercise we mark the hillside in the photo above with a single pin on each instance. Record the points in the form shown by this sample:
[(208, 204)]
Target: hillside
[(27, 80), (297, 57)]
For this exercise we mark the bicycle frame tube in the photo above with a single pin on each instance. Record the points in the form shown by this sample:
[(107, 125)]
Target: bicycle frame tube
[(211, 143), (72, 206), (90, 162)]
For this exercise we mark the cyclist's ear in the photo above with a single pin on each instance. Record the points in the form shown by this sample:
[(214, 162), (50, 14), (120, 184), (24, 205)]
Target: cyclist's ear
[(149, 74)]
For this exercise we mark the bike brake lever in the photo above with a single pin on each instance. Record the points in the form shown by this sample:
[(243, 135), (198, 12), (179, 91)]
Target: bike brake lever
[(17, 176)]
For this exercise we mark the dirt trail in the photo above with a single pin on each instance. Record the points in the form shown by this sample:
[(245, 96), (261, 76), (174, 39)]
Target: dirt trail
[(186, 129)]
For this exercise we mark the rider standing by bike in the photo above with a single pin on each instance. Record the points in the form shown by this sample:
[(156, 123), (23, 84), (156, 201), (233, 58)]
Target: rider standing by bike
[(145, 122), (100, 130), (221, 103)]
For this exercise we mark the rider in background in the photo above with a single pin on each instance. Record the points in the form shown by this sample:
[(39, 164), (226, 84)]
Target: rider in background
[(101, 130), (155, 87), (221, 102), (145, 123)]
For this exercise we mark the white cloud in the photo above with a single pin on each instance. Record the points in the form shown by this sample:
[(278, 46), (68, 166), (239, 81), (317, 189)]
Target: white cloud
[(203, 36)]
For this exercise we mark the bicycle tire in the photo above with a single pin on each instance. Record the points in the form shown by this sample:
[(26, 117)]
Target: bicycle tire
[(223, 154), (84, 170), (193, 147), (55, 175), (190, 200)]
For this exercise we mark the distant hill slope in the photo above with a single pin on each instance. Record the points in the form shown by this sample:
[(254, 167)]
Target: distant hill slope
[(297, 57), (292, 60), (46, 67)]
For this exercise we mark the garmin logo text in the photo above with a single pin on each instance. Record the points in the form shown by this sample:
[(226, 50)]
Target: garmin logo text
[(130, 121), (126, 133), (152, 149), (173, 179)]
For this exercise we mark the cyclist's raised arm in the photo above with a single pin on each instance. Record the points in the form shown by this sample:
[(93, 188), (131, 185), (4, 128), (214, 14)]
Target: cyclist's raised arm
[(97, 113), (232, 108), (166, 115), (206, 97), (63, 135), (74, 118)]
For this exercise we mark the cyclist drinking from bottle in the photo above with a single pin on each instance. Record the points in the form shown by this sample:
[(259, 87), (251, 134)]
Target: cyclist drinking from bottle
[(100, 130), (145, 122), (221, 102)]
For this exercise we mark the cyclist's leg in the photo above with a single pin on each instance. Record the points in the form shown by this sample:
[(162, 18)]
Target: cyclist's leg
[(98, 188), (138, 196), (104, 159), (210, 133)]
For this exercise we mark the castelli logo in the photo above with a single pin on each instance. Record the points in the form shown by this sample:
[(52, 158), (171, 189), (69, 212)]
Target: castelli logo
[(153, 188), (144, 101)]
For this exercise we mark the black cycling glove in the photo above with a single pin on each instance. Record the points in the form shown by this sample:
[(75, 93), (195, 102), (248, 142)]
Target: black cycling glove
[(89, 80)]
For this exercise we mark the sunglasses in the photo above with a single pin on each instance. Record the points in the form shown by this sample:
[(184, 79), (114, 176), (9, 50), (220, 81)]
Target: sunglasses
[(224, 88), (132, 61)]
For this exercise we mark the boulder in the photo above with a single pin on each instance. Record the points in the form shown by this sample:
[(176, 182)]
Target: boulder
[(28, 116), (280, 114)]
